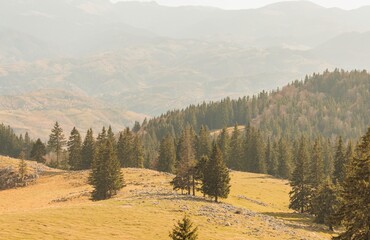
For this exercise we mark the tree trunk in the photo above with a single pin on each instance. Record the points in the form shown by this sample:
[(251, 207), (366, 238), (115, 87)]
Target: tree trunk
[(216, 198), (193, 186)]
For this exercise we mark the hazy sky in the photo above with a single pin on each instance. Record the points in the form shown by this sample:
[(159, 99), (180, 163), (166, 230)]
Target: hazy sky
[(242, 4)]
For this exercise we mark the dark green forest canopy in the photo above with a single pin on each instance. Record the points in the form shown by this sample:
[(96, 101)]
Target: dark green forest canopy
[(328, 104)]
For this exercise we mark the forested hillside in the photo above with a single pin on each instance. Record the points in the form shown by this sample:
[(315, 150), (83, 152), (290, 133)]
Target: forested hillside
[(330, 104)]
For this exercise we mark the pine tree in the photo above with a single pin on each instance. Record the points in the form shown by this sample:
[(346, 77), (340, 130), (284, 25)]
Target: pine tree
[(203, 143), (272, 158), (167, 155), (110, 136), (138, 153), (235, 150), (57, 141), (88, 150), (186, 158), (355, 210), (184, 230), (201, 170), (223, 140), (106, 176), (339, 162), (259, 162), (284, 159), (325, 203), (300, 194), (328, 158), (74, 145), (216, 180), (125, 148), (27, 146), (317, 165), (38, 151)]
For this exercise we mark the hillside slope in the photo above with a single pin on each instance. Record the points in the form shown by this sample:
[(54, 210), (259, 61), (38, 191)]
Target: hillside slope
[(328, 104), (58, 207)]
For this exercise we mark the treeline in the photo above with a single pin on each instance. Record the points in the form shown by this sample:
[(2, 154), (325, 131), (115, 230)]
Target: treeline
[(12, 145), (340, 199), (78, 154), (249, 150), (328, 104)]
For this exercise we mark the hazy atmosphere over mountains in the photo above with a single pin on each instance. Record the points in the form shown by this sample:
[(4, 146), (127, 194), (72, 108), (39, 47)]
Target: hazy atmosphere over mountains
[(93, 62)]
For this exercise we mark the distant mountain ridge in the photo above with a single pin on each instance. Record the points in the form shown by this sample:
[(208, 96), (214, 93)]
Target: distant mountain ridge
[(144, 58)]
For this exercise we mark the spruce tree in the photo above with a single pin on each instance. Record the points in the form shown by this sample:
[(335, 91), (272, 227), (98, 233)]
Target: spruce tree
[(325, 203), (105, 177), (317, 165), (355, 210), (284, 159), (201, 170), (272, 158), (186, 158), (184, 230), (125, 148), (138, 153), (300, 194), (74, 145), (203, 143), (339, 162), (235, 151), (216, 179), (57, 141), (38, 151), (167, 155), (88, 150), (223, 140)]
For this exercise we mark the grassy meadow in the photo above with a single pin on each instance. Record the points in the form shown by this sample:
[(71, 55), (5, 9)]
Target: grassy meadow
[(57, 206)]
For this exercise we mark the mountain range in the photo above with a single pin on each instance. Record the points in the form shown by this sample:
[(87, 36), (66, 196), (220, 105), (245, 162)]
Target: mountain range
[(89, 63)]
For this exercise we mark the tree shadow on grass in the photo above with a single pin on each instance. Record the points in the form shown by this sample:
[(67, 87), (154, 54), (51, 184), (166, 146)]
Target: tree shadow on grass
[(299, 221)]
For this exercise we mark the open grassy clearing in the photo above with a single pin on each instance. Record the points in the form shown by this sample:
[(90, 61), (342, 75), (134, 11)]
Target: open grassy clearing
[(58, 207)]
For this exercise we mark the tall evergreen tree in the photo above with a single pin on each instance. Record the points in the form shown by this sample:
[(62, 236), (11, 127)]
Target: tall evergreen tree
[(88, 150), (272, 158), (216, 179), (38, 151), (325, 203), (223, 140), (339, 162), (105, 177), (356, 194), (57, 141), (186, 158), (328, 158), (110, 136), (74, 145), (27, 146), (203, 143), (300, 194), (184, 230), (317, 165), (235, 151), (125, 148), (138, 152), (167, 155), (285, 159)]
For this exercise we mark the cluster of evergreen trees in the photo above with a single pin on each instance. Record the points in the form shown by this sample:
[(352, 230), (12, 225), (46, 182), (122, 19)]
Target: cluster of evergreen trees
[(12, 145), (78, 154), (196, 161), (329, 104), (340, 198)]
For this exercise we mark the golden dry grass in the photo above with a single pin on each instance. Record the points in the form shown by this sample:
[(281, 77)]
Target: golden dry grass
[(58, 207)]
